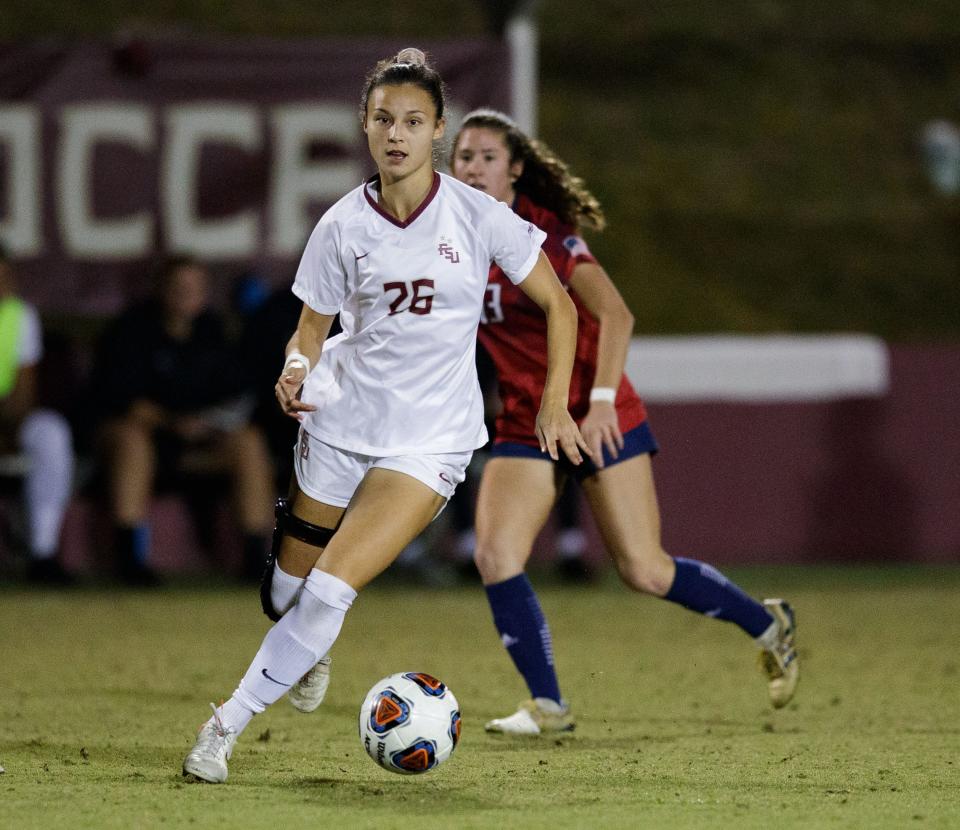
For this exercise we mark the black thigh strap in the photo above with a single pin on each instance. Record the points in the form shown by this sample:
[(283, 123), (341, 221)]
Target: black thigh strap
[(302, 529)]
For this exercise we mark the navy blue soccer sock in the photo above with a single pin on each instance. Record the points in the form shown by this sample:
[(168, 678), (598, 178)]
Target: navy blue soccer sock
[(524, 631), (702, 588), (132, 544)]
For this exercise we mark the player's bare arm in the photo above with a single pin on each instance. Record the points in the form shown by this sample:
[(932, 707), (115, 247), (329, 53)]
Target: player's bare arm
[(554, 424), (307, 340), (601, 427)]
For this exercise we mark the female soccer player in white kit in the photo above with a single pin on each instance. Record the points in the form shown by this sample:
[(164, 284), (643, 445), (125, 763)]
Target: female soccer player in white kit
[(391, 411)]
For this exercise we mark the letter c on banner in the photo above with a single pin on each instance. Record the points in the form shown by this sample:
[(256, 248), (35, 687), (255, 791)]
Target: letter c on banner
[(188, 127)]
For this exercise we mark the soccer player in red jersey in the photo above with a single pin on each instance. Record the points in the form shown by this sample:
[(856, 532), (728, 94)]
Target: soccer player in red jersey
[(520, 483)]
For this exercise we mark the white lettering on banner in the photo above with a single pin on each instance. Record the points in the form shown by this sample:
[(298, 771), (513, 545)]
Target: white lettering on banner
[(20, 133), (82, 128), (189, 127), (296, 181)]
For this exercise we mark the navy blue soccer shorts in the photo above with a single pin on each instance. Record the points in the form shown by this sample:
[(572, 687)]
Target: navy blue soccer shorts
[(637, 441)]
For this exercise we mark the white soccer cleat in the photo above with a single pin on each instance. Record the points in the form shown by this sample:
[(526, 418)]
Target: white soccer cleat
[(780, 664), (207, 761), (310, 690), (534, 717)]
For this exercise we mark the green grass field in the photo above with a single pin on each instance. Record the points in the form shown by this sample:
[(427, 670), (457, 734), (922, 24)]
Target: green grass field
[(100, 694)]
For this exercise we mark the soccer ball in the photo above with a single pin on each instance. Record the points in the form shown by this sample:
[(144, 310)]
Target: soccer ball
[(409, 723)]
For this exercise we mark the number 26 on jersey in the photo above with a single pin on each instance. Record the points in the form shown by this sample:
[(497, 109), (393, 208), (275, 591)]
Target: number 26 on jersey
[(420, 301)]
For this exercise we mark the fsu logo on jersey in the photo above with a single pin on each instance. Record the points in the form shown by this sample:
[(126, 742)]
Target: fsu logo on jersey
[(445, 249)]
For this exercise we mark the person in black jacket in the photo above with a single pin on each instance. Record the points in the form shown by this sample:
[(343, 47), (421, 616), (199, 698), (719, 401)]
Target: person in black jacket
[(172, 398)]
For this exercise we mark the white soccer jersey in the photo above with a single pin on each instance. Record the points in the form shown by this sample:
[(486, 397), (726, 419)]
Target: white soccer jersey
[(401, 379)]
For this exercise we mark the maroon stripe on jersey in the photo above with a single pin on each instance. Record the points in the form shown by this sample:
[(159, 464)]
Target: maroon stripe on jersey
[(390, 217)]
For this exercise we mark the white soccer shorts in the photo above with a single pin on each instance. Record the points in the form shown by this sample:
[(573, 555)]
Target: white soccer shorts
[(331, 475)]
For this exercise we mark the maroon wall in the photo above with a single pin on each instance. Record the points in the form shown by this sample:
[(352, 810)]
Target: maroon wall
[(845, 481), (853, 480)]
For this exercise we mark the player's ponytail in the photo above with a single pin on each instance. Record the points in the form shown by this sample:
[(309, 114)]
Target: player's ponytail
[(408, 66), (545, 180)]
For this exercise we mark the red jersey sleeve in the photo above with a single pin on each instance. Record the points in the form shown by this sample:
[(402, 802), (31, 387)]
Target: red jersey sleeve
[(563, 247)]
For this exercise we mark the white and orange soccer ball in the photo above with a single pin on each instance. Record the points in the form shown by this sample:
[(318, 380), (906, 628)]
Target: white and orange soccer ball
[(409, 723)]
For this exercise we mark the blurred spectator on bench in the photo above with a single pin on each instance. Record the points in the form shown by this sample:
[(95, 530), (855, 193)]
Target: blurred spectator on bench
[(35, 444), (174, 403), (940, 144), (269, 318)]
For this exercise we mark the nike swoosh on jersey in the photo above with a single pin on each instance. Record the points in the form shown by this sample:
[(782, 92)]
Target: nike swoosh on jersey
[(358, 258)]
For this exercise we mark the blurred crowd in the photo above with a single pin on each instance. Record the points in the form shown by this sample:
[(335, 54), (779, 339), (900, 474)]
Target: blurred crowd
[(177, 397)]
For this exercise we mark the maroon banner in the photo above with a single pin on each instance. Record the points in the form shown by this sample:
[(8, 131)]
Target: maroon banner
[(226, 150), (853, 480)]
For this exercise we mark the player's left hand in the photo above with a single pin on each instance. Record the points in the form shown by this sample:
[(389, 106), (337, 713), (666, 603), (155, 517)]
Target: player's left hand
[(288, 388), (556, 427), (601, 428)]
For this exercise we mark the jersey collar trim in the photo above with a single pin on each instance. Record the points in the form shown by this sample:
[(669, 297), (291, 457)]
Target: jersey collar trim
[(375, 179)]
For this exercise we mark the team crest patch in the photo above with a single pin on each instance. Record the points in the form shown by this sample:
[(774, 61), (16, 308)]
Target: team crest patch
[(576, 246), (445, 249)]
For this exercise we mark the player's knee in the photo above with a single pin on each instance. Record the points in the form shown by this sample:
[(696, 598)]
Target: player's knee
[(247, 443), (648, 574), (46, 430), (129, 435), (287, 524), (494, 560)]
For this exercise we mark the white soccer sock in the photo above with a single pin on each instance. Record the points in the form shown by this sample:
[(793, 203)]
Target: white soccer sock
[(769, 639), (284, 589), (234, 715), (292, 647), (45, 438), (465, 545), (571, 543)]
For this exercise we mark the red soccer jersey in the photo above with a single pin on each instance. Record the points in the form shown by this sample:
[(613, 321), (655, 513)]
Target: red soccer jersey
[(514, 331)]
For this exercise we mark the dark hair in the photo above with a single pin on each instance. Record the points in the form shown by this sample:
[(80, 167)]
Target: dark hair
[(408, 66), (545, 179), (168, 266)]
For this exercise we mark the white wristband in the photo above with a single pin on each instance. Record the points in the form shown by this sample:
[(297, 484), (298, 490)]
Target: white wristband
[(603, 393), (296, 357)]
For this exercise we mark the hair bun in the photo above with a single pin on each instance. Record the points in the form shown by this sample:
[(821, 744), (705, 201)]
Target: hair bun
[(411, 55)]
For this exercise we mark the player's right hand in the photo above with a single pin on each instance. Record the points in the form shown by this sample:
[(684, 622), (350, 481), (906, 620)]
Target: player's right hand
[(288, 391), (555, 428)]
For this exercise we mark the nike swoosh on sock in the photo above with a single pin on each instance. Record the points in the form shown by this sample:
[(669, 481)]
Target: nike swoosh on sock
[(273, 679)]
